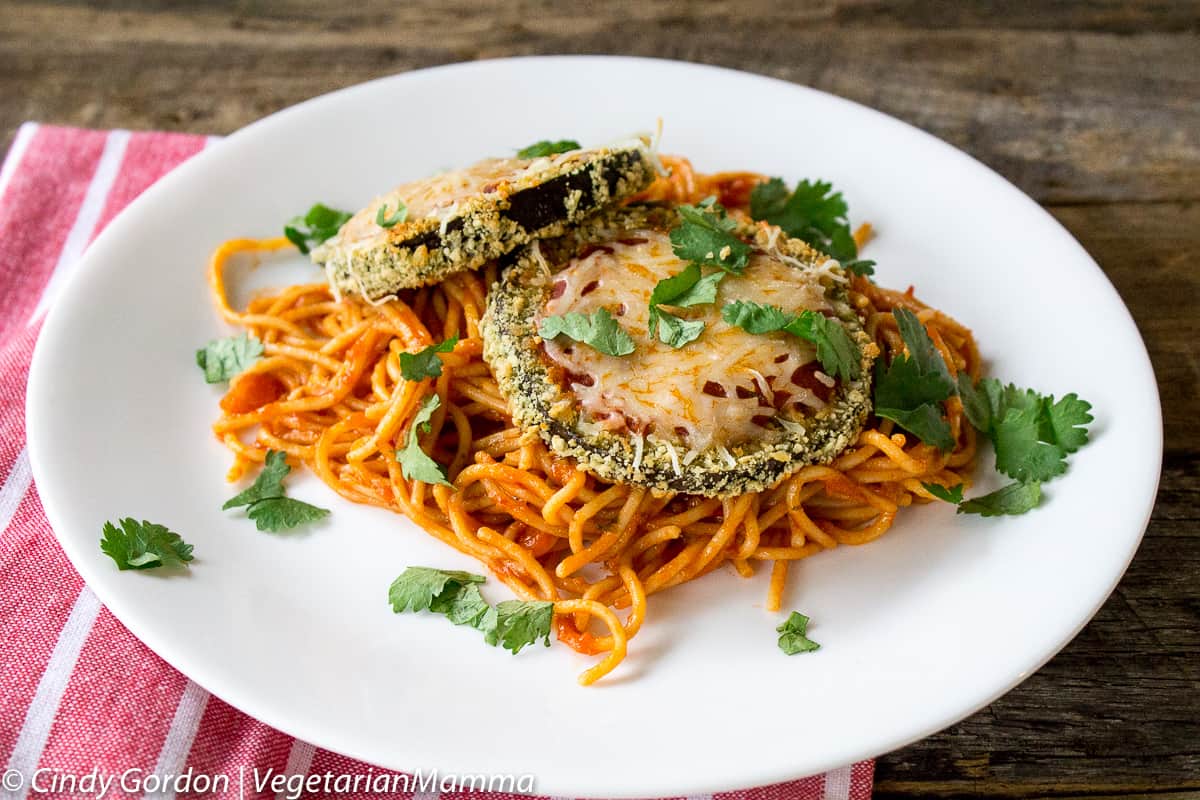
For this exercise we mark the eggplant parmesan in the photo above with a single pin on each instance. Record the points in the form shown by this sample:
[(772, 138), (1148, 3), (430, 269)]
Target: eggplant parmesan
[(459, 220), (727, 413)]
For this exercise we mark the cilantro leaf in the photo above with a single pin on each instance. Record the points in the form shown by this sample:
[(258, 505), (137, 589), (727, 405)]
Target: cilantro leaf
[(415, 464), (283, 513), (1067, 420), (793, 636), (672, 330), (598, 330), (910, 390), (1016, 498), (521, 622), (269, 482), (705, 237), (221, 359), (684, 290), (462, 604), (320, 223), (951, 494), (143, 545), (812, 212), (418, 587), (1031, 433), (547, 148), (384, 221), (425, 363), (837, 352), (860, 266)]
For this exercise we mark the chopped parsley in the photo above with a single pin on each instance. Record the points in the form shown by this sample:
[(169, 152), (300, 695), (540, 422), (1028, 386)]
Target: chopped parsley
[(320, 223), (705, 238), (1016, 498), (221, 359), (860, 266), (688, 288), (143, 545), (911, 389), (793, 635), (399, 215), (598, 330), (837, 352), (455, 595), (812, 212), (425, 363), (266, 501), (547, 148), (415, 464)]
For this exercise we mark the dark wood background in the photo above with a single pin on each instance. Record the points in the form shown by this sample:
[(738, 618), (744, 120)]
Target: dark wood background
[(1091, 108)]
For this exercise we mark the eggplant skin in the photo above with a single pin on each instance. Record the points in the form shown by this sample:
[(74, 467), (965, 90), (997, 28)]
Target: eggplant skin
[(426, 251), (512, 348)]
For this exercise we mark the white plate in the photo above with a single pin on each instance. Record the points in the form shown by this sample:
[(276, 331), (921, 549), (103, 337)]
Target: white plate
[(918, 629)]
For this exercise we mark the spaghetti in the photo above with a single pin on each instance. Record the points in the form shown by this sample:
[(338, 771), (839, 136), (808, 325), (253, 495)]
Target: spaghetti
[(329, 392)]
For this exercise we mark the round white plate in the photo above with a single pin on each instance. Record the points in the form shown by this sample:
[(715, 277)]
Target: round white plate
[(918, 630)]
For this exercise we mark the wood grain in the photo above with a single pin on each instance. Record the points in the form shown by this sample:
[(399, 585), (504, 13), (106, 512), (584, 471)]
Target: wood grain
[(1091, 108)]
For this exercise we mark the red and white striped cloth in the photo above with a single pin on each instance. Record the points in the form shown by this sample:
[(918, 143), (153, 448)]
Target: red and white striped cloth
[(78, 693)]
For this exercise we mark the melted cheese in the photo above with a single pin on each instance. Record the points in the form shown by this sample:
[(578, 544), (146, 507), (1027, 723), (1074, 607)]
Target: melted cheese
[(439, 196), (662, 390)]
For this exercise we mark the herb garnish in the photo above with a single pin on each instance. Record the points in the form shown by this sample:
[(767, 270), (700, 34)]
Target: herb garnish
[(910, 390), (793, 635), (598, 330), (812, 212), (547, 148), (455, 594), (143, 545), (705, 238), (425, 363), (837, 352), (320, 223), (684, 290), (399, 215), (415, 464), (221, 359), (266, 500)]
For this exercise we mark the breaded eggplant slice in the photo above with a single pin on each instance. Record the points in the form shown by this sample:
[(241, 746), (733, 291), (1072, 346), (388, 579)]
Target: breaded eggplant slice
[(726, 414), (460, 220)]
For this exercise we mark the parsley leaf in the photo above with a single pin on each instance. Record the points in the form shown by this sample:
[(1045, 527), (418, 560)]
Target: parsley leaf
[(547, 148), (417, 588), (462, 604), (270, 509), (221, 359), (320, 223), (813, 212), (282, 513), (793, 636), (1016, 498), (425, 363), (598, 330), (268, 484), (705, 237), (521, 622), (384, 221), (143, 545), (415, 464), (910, 390), (951, 494), (1067, 420), (837, 352), (684, 290)]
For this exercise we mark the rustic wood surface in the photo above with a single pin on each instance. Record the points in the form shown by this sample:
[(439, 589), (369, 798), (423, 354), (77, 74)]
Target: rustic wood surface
[(1091, 108)]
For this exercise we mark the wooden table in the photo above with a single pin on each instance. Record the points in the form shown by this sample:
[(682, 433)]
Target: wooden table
[(1091, 108)]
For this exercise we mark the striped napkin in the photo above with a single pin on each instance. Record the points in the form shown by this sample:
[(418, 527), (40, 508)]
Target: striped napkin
[(82, 700)]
